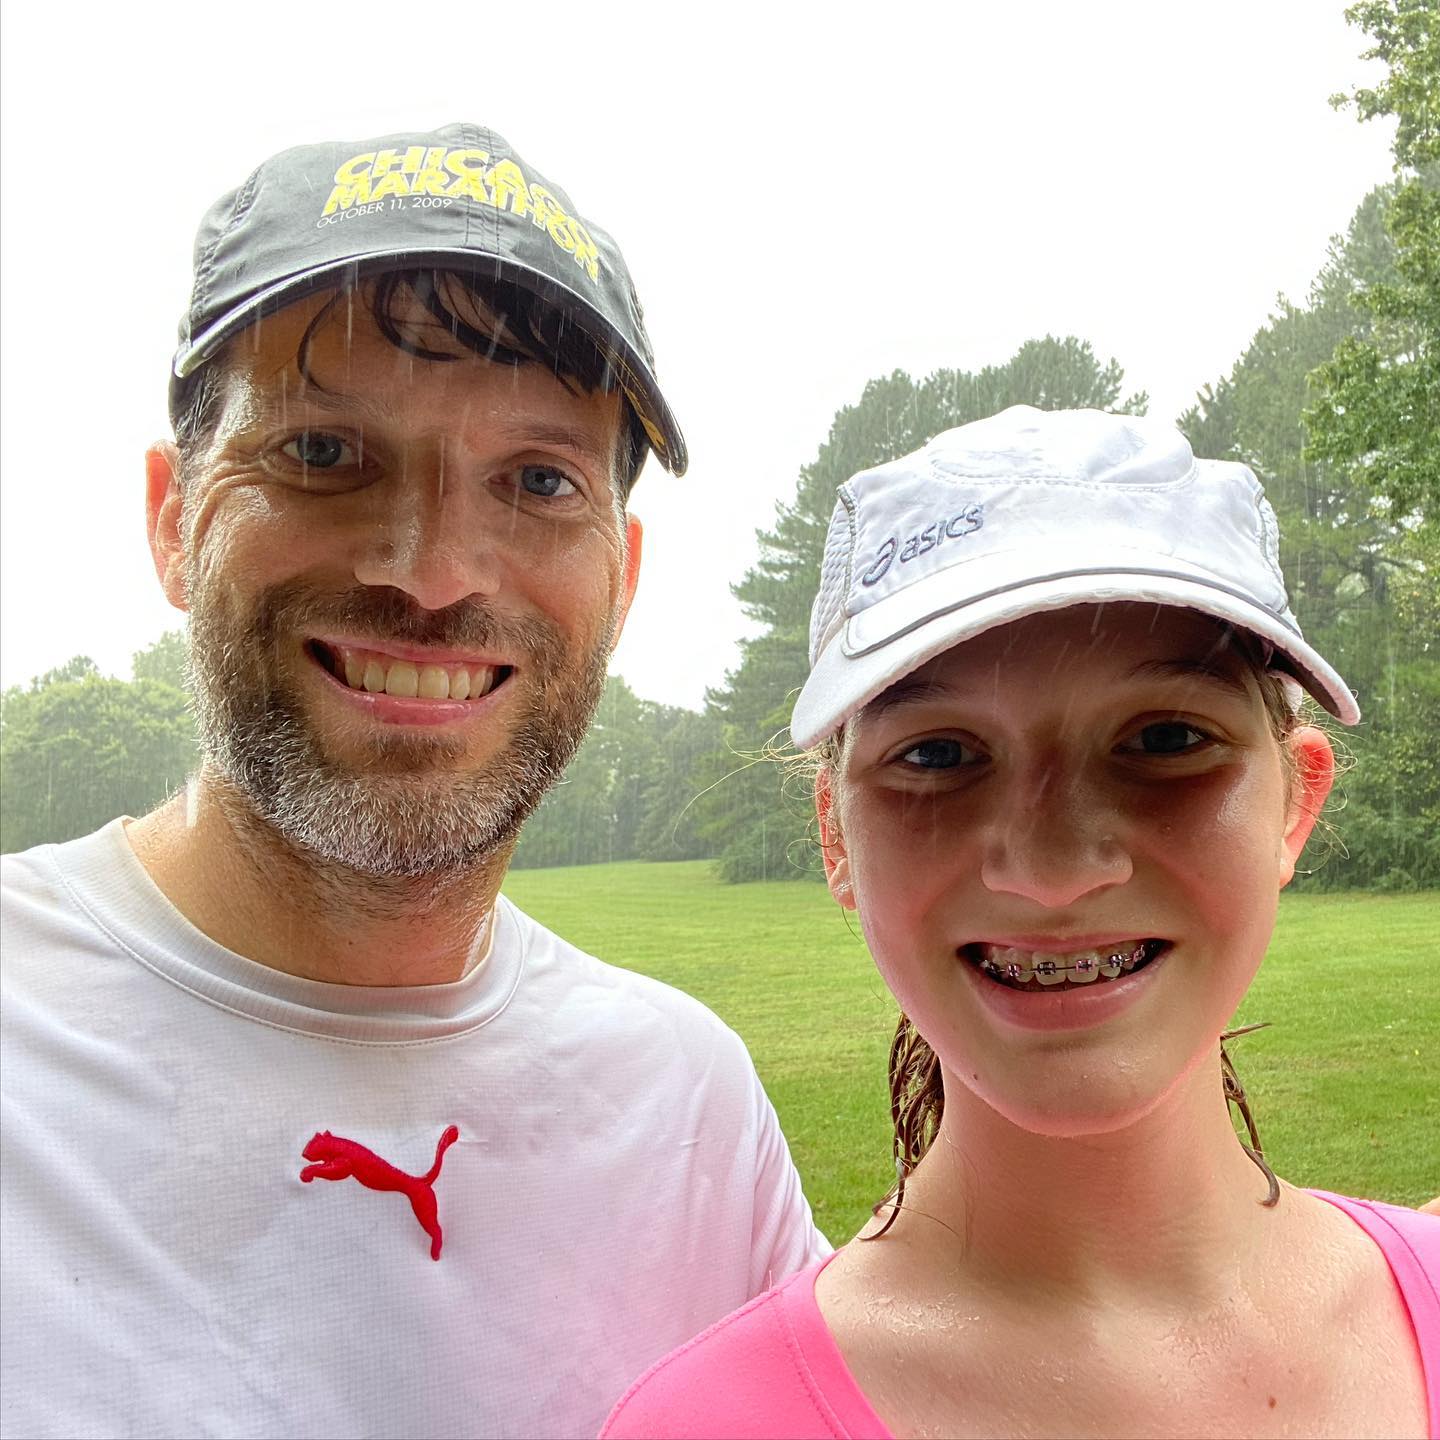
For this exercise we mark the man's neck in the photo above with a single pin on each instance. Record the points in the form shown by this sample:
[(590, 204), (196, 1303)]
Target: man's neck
[(246, 887)]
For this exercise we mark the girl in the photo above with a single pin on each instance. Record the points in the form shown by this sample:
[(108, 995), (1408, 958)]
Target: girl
[(1055, 695)]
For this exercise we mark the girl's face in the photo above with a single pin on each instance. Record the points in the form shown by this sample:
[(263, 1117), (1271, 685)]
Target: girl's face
[(1065, 840)]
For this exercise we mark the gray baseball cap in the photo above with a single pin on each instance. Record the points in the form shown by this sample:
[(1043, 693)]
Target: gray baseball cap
[(457, 197)]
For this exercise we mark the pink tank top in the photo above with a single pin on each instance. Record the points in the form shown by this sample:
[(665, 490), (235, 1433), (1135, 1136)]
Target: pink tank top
[(773, 1369)]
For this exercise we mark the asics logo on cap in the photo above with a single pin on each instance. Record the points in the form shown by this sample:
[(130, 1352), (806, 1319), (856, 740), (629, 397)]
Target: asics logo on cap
[(955, 527)]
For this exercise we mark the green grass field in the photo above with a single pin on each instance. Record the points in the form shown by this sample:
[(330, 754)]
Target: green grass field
[(1345, 1084)]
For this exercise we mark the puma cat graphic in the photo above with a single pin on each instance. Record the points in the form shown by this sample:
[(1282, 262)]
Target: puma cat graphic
[(340, 1159)]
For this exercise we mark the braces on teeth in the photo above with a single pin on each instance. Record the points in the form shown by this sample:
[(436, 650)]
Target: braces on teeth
[(1125, 960)]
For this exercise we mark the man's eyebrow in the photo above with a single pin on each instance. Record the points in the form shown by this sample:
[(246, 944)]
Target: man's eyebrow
[(274, 405), (1212, 669), (566, 439)]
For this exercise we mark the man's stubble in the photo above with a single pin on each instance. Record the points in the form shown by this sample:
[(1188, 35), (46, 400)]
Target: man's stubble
[(408, 812)]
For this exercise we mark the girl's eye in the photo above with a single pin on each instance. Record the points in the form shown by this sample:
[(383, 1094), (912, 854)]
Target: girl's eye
[(938, 754), (1165, 737), (546, 482), (317, 450)]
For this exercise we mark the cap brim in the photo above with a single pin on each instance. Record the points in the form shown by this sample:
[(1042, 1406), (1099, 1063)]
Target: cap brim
[(845, 678), (636, 379)]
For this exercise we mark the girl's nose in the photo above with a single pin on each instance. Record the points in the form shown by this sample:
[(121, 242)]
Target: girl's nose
[(1055, 847)]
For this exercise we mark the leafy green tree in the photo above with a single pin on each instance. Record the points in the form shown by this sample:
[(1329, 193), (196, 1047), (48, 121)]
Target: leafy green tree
[(753, 821), (626, 794), (1361, 572), (666, 827), (79, 749), (1339, 550), (1378, 403), (78, 667), (163, 661), (1376, 419)]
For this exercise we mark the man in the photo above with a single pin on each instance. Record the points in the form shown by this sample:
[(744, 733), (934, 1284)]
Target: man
[(307, 1130)]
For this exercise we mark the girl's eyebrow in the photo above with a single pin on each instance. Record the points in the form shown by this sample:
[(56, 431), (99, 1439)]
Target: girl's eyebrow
[(909, 692), (1212, 669)]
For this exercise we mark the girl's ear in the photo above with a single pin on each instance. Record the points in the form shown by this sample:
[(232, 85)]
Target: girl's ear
[(1314, 769), (832, 843)]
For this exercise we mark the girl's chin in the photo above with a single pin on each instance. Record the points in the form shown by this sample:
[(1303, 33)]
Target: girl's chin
[(1070, 1104), (1073, 1123)]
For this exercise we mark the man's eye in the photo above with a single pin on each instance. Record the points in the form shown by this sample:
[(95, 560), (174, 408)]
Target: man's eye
[(545, 481), (1165, 737), (939, 754), (317, 450)]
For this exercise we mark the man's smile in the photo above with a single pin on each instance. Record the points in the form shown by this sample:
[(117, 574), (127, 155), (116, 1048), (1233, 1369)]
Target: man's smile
[(412, 674)]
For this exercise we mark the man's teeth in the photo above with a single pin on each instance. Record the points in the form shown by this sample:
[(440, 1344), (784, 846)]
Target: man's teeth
[(366, 670), (1043, 967)]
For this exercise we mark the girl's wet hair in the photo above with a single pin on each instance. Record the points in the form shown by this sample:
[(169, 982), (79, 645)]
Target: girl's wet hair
[(473, 314)]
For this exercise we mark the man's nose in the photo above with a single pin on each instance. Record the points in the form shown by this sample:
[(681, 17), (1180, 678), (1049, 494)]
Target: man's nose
[(1055, 840), (436, 542)]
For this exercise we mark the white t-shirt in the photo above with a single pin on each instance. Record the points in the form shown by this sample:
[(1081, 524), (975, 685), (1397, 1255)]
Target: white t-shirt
[(619, 1179)]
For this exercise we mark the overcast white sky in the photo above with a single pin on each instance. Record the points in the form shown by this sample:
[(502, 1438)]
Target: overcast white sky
[(808, 195)]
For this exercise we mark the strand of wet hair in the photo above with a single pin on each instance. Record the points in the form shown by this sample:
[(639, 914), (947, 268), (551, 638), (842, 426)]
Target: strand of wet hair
[(1235, 1095), (911, 1107)]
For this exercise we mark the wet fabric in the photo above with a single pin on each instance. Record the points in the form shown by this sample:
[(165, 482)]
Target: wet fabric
[(773, 1369), (618, 1181)]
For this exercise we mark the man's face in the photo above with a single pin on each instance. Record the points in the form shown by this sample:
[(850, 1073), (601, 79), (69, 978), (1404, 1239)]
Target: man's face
[(405, 579)]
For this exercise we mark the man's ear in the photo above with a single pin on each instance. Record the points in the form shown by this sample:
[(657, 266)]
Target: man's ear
[(832, 842), (163, 525), (634, 544), (1314, 770)]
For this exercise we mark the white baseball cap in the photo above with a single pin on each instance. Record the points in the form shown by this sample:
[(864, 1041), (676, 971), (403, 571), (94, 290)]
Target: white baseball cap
[(1035, 510)]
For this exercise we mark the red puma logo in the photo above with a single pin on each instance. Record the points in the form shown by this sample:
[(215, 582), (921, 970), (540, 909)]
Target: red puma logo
[(339, 1159)]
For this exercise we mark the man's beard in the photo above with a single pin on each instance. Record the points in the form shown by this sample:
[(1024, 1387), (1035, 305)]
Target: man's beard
[(404, 811)]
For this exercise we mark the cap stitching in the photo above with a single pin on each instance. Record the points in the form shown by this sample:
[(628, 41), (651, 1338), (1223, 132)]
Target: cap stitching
[(491, 215), (204, 269), (1045, 477), (839, 615), (1270, 540)]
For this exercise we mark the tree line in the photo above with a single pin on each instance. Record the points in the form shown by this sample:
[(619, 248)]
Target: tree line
[(78, 748), (1335, 404)]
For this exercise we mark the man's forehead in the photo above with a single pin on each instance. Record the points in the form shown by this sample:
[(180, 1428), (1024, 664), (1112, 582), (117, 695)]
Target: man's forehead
[(327, 356), (337, 319), (330, 348)]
